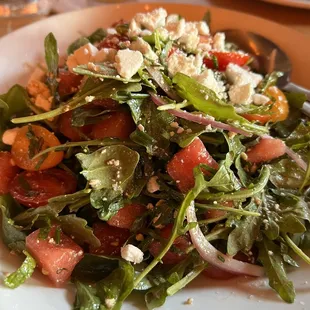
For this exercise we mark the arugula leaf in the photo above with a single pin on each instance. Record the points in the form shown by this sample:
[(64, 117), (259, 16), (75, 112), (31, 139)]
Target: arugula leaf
[(155, 136), (103, 71), (156, 296), (300, 137), (296, 100), (135, 108), (86, 298), (96, 36), (23, 273), (77, 227), (238, 240), (116, 286), (12, 103), (111, 167), (12, 235), (107, 201), (92, 87), (212, 106), (51, 210), (93, 268), (286, 174), (52, 60), (269, 255), (269, 80)]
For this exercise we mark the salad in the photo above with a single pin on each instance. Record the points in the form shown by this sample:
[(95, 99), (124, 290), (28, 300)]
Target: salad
[(153, 155)]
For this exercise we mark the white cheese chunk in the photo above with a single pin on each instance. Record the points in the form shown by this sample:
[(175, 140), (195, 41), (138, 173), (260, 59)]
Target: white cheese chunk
[(208, 79), (143, 47), (105, 54), (152, 20), (189, 65), (82, 56), (127, 62), (260, 99), (173, 18), (163, 33), (132, 254), (190, 40), (111, 31), (176, 28), (219, 41), (9, 136), (239, 76), (134, 28), (241, 94)]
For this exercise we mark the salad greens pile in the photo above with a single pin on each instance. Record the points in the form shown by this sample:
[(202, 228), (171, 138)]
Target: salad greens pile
[(254, 211)]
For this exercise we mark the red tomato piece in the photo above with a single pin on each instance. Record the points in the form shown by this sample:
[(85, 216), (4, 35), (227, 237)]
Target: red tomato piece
[(126, 216), (57, 261), (225, 58), (181, 166), (107, 103), (68, 82), (114, 41), (8, 172), (171, 257), (265, 150), (69, 131), (34, 188), (116, 125), (111, 238)]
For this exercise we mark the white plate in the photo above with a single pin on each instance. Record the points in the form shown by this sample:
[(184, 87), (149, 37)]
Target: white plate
[(25, 46), (303, 4)]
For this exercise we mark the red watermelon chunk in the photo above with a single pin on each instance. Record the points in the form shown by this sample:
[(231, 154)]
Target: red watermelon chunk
[(181, 166), (57, 261)]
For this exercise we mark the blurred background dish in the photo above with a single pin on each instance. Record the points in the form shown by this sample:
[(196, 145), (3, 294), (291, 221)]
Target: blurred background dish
[(304, 4)]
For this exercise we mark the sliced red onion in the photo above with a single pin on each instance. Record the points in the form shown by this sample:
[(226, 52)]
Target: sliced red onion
[(216, 258), (158, 78), (297, 159), (199, 119)]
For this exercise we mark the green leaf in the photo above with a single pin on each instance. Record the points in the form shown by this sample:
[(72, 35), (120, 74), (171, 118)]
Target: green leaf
[(197, 93), (97, 36), (269, 255), (107, 201), (77, 227), (110, 167), (82, 116), (103, 71), (300, 137), (191, 131), (286, 174), (52, 60), (156, 134), (269, 80), (296, 100), (156, 296), (23, 273), (86, 298), (77, 44), (238, 240), (92, 87), (93, 268), (135, 108), (12, 103), (52, 209), (12, 235), (116, 286), (262, 181)]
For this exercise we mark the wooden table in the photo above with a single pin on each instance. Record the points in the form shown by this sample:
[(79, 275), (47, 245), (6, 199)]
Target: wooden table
[(298, 19)]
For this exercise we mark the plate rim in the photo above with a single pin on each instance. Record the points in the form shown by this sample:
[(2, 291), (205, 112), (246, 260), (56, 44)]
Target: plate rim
[(301, 4)]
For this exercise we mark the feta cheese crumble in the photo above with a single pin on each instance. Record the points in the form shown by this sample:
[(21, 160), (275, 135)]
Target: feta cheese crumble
[(260, 99), (241, 94), (127, 63), (219, 41), (132, 254), (143, 47), (189, 65)]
